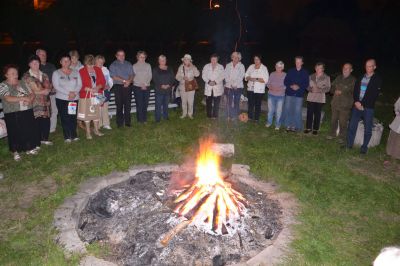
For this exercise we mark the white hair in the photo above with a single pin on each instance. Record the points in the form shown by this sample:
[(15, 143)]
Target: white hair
[(238, 54), (162, 57), (389, 256), (280, 64)]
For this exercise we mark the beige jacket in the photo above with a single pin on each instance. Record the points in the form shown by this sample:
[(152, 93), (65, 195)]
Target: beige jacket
[(318, 88), (191, 73), (395, 125)]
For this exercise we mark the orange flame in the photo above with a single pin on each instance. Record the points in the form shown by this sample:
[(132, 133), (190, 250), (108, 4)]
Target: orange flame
[(210, 202)]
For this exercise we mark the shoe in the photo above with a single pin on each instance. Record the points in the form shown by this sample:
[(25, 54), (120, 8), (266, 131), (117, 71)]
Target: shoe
[(48, 143), (32, 152), (128, 125), (190, 117), (107, 127), (315, 132), (340, 141), (267, 125), (183, 116), (17, 157), (363, 151), (277, 128), (306, 131), (37, 148), (329, 137), (67, 140), (98, 133), (75, 139)]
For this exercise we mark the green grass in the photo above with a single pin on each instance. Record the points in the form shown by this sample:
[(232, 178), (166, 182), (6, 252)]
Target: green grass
[(349, 204)]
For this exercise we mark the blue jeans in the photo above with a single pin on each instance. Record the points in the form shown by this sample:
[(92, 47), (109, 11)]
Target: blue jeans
[(275, 106), (233, 101), (368, 117), (293, 112), (142, 102), (162, 101)]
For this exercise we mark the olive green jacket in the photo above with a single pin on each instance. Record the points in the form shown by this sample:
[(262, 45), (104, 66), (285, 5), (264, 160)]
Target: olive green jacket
[(346, 86)]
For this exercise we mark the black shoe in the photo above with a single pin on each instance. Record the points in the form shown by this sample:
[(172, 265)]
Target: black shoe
[(362, 151), (128, 125), (306, 131), (315, 132)]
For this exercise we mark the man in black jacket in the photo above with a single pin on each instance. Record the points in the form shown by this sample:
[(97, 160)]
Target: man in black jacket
[(366, 91)]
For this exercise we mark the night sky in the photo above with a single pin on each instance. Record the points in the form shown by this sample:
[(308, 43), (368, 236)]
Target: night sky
[(320, 29)]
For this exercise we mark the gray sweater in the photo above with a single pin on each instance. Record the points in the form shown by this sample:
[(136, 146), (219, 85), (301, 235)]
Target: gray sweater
[(64, 84)]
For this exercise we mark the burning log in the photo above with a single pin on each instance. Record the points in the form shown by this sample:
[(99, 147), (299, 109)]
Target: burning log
[(210, 202), (173, 232)]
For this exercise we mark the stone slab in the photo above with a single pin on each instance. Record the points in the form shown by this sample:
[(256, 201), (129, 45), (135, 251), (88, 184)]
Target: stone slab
[(93, 261)]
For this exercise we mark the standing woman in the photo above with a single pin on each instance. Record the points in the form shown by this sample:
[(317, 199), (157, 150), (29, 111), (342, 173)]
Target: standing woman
[(93, 83), (276, 95), (39, 83), (67, 83), (257, 77), (234, 75), (320, 84), (75, 63), (18, 114), (141, 86), (213, 76), (393, 143), (164, 80), (104, 116), (187, 72)]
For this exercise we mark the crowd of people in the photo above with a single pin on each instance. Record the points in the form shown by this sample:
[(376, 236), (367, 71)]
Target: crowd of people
[(80, 93)]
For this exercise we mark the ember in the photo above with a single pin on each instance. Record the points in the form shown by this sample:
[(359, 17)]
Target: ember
[(210, 203)]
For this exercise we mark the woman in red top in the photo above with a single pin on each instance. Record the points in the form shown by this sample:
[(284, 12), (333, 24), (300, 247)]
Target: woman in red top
[(93, 83)]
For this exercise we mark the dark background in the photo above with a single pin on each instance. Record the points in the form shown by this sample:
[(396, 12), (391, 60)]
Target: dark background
[(321, 30)]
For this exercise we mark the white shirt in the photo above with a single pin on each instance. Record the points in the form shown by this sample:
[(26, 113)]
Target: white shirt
[(217, 74), (108, 78), (234, 75), (261, 72)]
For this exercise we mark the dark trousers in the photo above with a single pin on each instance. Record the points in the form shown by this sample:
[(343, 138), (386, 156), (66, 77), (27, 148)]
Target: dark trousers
[(233, 101), (162, 101), (43, 128), (212, 105), (142, 102), (20, 126), (68, 122), (250, 104), (123, 99), (313, 115), (367, 115), (341, 116)]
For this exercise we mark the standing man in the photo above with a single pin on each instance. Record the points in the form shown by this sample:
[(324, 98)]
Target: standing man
[(366, 91), (342, 101), (296, 82), (121, 72), (48, 69)]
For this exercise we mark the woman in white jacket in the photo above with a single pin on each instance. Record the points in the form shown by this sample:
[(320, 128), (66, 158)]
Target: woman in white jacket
[(234, 75), (213, 76), (257, 77)]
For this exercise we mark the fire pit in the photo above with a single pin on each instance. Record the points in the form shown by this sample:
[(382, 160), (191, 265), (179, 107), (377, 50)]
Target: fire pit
[(198, 215)]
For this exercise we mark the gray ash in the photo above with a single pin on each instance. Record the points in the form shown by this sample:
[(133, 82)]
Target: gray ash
[(133, 216)]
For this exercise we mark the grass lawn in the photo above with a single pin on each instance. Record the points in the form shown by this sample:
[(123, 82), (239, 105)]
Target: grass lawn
[(350, 204)]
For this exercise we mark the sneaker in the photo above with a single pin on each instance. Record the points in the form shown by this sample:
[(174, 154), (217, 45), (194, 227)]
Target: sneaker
[(17, 157), (48, 143), (32, 152), (190, 117), (277, 128), (183, 116), (68, 141), (37, 148), (107, 127), (267, 125), (75, 139)]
